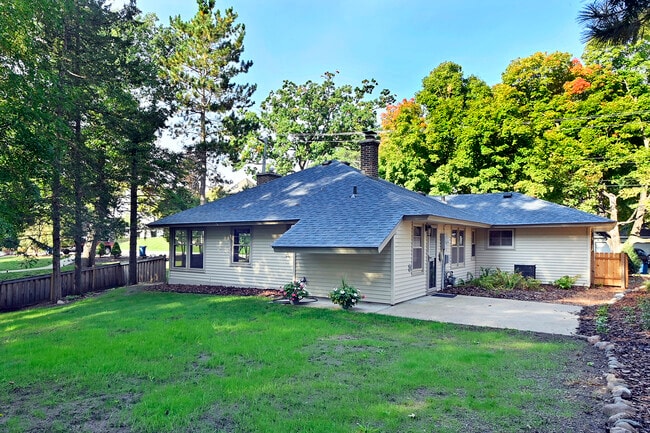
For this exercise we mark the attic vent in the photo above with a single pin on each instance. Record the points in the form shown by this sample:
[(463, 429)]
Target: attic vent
[(507, 195)]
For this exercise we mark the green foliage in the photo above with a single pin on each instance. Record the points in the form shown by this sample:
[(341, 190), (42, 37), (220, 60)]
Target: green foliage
[(203, 61), (633, 258), (303, 122), (345, 295), (499, 280), (554, 129), (101, 249), (566, 282), (116, 250), (644, 313), (28, 261), (602, 318)]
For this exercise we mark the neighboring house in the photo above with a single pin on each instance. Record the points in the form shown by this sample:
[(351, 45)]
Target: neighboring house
[(334, 222)]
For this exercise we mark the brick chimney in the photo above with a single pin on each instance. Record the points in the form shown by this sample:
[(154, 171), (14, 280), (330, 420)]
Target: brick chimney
[(370, 154), (263, 178)]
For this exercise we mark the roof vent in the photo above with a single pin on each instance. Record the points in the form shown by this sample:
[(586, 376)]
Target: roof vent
[(354, 192), (327, 162), (507, 195)]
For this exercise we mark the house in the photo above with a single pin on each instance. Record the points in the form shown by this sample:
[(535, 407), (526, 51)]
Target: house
[(334, 222)]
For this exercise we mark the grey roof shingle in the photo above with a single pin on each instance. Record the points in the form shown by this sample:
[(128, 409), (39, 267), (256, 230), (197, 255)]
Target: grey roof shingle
[(319, 201), (515, 209)]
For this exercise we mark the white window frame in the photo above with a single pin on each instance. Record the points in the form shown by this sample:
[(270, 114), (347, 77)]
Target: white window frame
[(458, 250), (501, 246), (235, 247), (473, 244), (417, 248)]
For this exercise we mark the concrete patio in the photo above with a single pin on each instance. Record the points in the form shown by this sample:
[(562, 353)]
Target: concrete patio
[(548, 318)]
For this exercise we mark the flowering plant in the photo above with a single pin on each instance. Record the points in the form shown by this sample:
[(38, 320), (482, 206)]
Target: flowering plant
[(346, 296), (294, 291)]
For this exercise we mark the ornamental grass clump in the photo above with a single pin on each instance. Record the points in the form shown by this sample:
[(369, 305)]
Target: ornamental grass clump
[(294, 291), (346, 296)]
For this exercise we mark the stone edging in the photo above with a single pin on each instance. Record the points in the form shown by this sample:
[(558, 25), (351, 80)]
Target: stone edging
[(621, 412)]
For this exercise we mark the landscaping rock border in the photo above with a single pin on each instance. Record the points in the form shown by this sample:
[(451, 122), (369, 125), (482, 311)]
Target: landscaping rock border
[(621, 412)]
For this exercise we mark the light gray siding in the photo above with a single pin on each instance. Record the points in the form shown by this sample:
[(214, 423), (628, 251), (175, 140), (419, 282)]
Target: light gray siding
[(267, 268), (408, 283), (370, 273), (556, 251)]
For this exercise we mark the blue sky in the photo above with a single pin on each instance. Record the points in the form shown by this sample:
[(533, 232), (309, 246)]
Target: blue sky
[(396, 42)]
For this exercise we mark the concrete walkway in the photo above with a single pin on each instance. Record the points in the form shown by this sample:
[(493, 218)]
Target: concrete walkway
[(548, 318)]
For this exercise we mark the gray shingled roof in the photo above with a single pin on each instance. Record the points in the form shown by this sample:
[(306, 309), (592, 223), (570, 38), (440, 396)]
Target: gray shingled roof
[(515, 209), (319, 201)]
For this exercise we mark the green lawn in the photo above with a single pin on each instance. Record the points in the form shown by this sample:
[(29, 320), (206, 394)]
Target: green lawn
[(130, 360), (157, 244), (18, 262)]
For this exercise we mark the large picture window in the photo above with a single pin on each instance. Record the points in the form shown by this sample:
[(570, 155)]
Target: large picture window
[(241, 245), (501, 239), (418, 248), (457, 246), (188, 242)]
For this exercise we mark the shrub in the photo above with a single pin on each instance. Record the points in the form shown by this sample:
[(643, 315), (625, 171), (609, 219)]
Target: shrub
[(116, 250), (294, 291), (634, 262), (602, 314), (101, 249), (346, 296), (565, 282), (502, 280)]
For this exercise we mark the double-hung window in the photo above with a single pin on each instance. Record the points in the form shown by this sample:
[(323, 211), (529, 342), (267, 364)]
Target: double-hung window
[(417, 244), (241, 246), (187, 248), (457, 246)]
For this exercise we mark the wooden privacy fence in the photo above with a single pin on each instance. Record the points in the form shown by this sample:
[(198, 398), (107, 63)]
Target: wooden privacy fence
[(32, 290), (610, 269)]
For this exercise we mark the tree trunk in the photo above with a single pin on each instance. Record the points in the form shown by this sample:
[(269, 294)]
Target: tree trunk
[(203, 160), (133, 220), (615, 237), (77, 168), (641, 209), (55, 288)]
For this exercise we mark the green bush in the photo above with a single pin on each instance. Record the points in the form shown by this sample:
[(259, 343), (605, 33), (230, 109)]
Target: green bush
[(116, 250), (565, 282), (101, 248), (633, 259), (502, 280), (345, 295), (602, 316)]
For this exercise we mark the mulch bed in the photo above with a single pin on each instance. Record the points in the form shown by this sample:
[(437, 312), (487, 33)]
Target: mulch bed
[(214, 290)]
